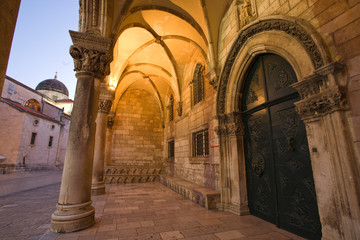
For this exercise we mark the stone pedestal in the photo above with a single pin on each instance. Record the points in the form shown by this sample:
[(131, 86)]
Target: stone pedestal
[(105, 102), (74, 211)]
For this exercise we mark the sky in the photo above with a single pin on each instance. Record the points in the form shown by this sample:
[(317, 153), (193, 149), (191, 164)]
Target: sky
[(41, 42)]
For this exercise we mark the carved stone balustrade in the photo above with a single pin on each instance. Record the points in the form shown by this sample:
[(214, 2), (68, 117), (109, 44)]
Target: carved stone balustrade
[(132, 174)]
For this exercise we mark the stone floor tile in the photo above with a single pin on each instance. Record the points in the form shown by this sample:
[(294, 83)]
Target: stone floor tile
[(171, 235), (209, 222), (204, 237), (128, 225), (229, 235), (148, 223)]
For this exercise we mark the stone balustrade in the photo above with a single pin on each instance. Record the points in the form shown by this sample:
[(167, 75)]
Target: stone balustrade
[(131, 174)]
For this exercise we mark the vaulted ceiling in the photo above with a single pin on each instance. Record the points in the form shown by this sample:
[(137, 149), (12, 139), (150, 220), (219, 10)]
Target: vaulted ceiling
[(157, 39)]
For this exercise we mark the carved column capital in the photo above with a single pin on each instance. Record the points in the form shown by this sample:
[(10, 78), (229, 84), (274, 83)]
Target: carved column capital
[(230, 124), (320, 94), (105, 99), (91, 53)]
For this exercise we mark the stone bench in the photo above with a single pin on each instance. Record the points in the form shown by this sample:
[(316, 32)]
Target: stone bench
[(205, 197)]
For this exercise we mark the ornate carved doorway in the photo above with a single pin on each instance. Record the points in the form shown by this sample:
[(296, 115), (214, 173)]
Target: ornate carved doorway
[(279, 175)]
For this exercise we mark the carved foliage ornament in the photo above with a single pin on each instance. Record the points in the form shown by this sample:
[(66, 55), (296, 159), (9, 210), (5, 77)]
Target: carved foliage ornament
[(230, 124), (288, 27), (320, 96), (91, 53), (86, 60), (104, 106)]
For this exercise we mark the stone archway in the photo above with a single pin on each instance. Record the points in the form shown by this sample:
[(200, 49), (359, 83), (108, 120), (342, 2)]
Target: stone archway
[(319, 108)]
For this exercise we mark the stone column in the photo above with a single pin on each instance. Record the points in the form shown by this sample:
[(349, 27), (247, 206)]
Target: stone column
[(323, 107), (91, 60), (105, 102), (109, 134), (233, 169)]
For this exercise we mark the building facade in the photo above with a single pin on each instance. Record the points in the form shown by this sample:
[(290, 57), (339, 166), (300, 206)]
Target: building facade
[(33, 130), (257, 99)]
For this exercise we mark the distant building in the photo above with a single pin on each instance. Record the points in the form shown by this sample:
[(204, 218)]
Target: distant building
[(35, 126)]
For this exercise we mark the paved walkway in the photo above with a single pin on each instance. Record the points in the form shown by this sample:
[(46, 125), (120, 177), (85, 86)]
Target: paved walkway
[(17, 182), (132, 212)]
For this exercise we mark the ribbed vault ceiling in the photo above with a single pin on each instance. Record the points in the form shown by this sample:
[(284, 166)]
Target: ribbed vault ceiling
[(155, 40)]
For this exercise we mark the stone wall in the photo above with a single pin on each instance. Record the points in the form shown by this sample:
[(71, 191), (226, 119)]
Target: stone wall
[(337, 21), (204, 171), (10, 133), (137, 131)]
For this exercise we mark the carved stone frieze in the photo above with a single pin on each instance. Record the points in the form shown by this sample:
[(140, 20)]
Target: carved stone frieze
[(230, 124), (289, 27), (91, 53)]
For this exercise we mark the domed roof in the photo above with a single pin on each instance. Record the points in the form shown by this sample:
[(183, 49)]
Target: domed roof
[(53, 85)]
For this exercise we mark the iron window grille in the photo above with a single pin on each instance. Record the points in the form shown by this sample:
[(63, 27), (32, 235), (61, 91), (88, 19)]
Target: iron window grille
[(201, 143), (171, 149)]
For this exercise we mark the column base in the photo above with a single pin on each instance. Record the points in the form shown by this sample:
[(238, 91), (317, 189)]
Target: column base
[(97, 188), (238, 210), (71, 218)]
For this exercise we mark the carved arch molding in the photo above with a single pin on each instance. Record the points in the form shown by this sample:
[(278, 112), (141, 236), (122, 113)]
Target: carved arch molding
[(286, 26)]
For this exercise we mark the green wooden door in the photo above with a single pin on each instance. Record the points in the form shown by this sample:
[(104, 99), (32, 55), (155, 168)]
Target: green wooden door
[(278, 167)]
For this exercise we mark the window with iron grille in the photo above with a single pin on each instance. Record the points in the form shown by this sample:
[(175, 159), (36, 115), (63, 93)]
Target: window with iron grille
[(171, 108), (201, 143), (171, 149), (198, 83)]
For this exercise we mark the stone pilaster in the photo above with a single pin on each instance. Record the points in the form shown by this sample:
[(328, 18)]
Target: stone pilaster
[(91, 54), (323, 107), (233, 178), (105, 103)]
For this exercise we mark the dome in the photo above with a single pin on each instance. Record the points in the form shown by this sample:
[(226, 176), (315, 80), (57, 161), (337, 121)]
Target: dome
[(53, 85)]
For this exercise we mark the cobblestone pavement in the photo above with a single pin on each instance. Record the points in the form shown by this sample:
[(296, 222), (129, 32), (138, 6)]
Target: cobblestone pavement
[(131, 212)]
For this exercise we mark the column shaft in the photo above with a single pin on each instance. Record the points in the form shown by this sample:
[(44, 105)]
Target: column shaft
[(74, 210), (98, 185)]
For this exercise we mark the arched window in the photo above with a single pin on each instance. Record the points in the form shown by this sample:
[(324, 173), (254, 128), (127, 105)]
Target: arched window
[(33, 104), (171, 108), (198, 83)]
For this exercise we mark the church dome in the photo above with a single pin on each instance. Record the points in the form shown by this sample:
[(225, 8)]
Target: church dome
[(53, 85)]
